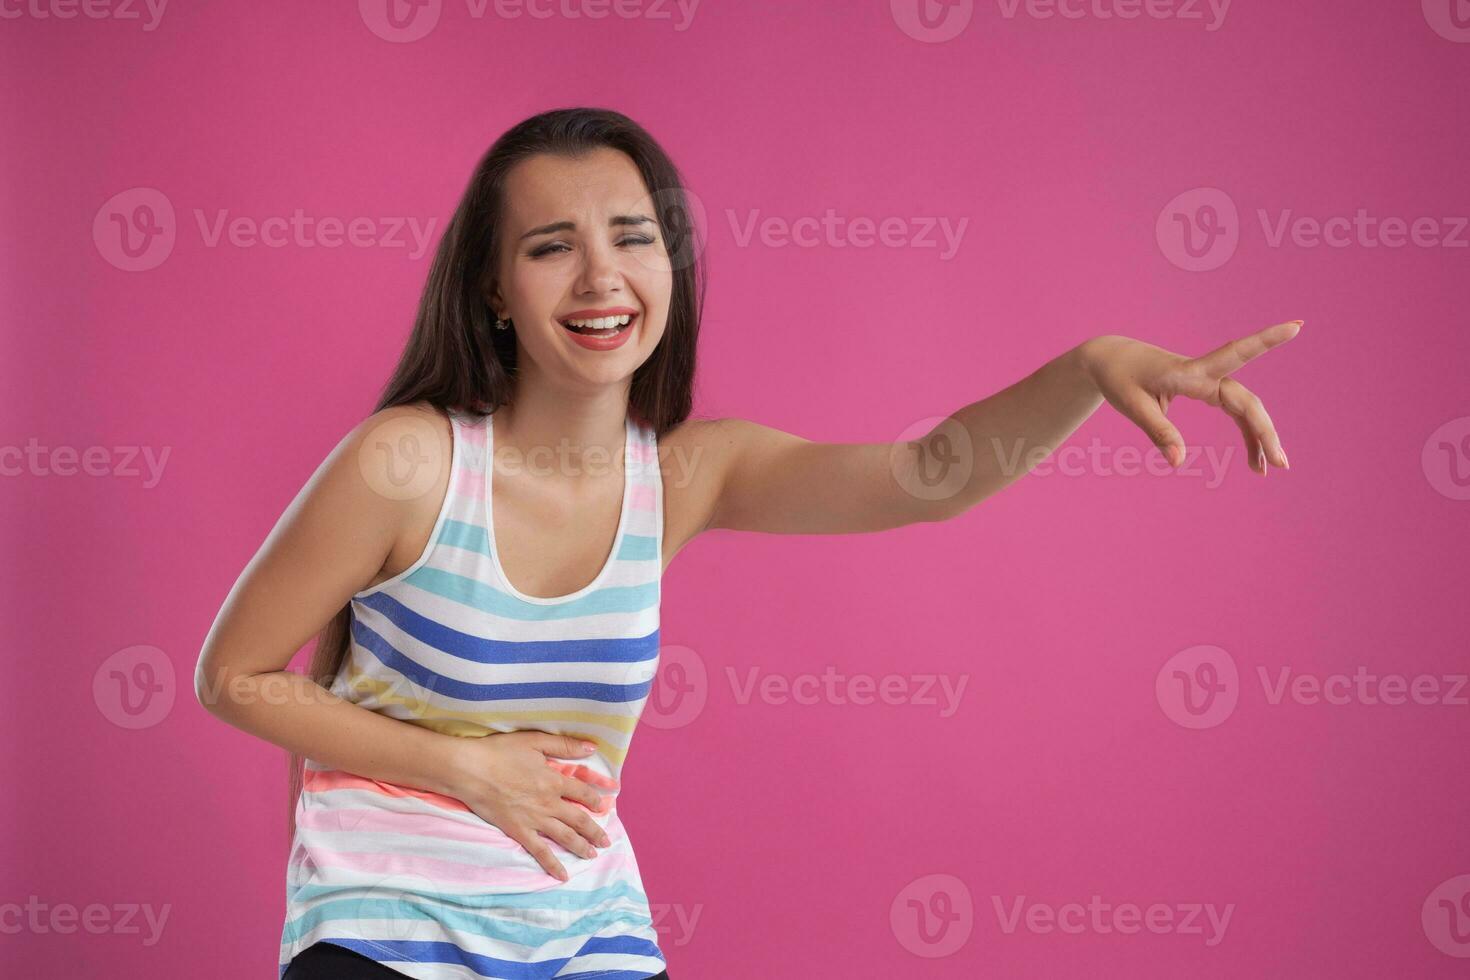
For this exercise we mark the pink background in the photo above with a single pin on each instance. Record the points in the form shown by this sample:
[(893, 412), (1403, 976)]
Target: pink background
[(794, 835)]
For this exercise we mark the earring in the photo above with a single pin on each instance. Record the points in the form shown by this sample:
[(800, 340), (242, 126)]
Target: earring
[(502, 324)]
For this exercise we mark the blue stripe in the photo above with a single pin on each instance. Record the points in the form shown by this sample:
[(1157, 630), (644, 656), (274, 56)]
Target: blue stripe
[(631, 945), (465, 691), (420, 951), (483, 650), (469, 592)]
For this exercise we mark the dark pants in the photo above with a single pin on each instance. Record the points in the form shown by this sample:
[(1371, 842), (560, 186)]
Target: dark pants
[(328, 961)]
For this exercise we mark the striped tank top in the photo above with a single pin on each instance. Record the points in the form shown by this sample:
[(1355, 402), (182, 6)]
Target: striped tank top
[(415, 880)]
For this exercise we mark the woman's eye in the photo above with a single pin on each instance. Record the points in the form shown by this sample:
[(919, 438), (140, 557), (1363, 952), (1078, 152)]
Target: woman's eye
[(554, 247)]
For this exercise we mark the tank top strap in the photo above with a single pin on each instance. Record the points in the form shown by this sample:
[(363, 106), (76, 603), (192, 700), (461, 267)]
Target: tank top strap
[(644, 538), (468, 461)]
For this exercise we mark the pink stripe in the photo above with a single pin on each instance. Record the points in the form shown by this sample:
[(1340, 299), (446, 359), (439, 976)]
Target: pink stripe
[(473, 435), (509, 879), (366, 821), (420, 825), (469, 483), (315, 781), (643, 497)]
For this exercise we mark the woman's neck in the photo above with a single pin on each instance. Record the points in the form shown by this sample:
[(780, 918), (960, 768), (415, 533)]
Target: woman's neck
[(580, 430)]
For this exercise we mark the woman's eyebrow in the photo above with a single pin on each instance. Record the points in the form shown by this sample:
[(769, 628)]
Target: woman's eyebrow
[(615, 221)]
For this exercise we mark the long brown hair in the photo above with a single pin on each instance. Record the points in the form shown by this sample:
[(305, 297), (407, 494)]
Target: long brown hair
[(456, 359)]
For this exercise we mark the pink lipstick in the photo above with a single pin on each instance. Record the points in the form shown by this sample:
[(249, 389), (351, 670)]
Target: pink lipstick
[(609, 337)]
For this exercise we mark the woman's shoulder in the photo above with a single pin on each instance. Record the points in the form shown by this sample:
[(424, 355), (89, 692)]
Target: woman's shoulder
[(695, 458), (702, 431), (393, 463), (413, 431), (706, 440), (395, 474)]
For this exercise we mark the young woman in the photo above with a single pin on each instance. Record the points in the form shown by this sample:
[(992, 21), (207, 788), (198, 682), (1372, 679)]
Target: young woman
[(487, 548)]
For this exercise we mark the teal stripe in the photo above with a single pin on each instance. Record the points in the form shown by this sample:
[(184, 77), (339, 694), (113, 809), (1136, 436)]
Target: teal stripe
[(638, 547), (460, 913), (470, 537), (478, 595), (549, 899)]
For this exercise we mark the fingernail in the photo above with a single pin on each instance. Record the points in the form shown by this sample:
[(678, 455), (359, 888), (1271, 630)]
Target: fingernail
[(589, 747), (605, 841), (1285, 462), (1261, 460)]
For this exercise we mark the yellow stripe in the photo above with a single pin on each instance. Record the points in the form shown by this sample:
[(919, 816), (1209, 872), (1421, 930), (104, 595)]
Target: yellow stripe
[(477, 724)]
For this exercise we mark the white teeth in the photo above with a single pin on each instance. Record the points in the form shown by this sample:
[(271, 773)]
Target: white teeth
[(601, 322)]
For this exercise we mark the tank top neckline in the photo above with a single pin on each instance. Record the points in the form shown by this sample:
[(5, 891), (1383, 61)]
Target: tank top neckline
[(630, 435)]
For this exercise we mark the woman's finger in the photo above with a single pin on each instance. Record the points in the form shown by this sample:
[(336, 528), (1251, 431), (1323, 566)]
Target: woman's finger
[(568, 838), (537, 848), (1250, 414), (581, 821), (1228, 358), (559, 746), (1146, 413), (579, 792), (1254, 459)]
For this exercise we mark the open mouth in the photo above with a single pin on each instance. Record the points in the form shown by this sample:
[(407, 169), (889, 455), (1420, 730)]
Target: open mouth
[(603, 326)]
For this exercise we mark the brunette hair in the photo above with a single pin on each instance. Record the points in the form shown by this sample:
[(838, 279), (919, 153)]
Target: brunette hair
[(456, 359)]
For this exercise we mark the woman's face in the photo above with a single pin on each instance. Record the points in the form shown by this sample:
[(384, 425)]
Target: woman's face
[(580, 238)]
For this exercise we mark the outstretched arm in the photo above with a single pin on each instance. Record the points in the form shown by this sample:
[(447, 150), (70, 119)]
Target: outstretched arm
[(775, 482)]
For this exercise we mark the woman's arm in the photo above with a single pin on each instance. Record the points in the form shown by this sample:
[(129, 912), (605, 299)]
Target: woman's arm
[(329, 544), (775, 482), (333, 541)]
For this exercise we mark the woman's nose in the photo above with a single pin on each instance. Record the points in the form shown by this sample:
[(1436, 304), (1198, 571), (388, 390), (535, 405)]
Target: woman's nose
[(600, 271)]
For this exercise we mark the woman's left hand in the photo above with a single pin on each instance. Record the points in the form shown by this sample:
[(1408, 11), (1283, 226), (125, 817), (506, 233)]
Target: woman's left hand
[(1139, 380)]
